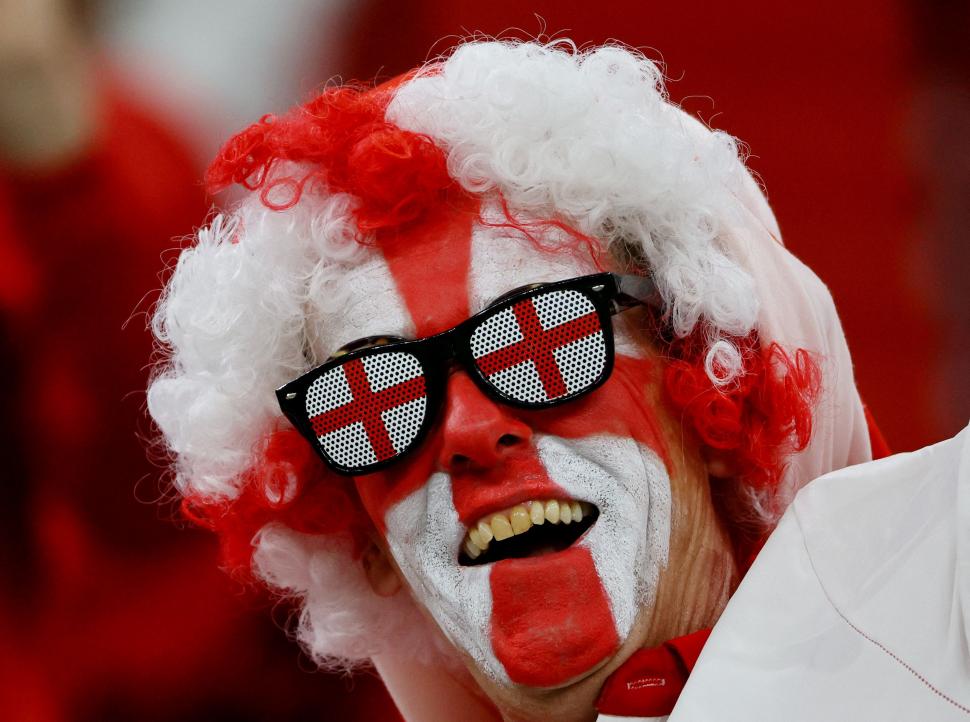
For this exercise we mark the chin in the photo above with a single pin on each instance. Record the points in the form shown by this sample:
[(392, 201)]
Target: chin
[(551, 599)]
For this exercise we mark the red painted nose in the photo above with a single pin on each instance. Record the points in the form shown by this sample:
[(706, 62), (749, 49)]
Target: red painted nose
[(478, 432)]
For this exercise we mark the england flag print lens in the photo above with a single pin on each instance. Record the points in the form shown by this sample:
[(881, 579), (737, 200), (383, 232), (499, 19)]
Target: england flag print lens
[(545, 348), (536, 349), (369, 409)]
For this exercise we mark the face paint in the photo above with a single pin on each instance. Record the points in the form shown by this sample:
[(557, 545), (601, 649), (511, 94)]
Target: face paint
[(627, 547), (538, 621), (366, 304)]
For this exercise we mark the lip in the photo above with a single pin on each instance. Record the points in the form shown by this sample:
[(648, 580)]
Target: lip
[(499, 505), (521, 478)]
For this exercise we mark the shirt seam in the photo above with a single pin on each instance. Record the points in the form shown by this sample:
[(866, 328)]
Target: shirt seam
[(879, 645)]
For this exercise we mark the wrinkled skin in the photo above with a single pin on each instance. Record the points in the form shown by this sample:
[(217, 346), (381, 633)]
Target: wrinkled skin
[(539, 635)]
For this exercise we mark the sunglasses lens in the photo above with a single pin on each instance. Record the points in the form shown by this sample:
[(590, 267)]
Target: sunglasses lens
[(546, 347), (369, 409)]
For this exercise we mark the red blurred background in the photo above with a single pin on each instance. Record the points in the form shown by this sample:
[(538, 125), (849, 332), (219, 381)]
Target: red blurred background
[(857, 118)]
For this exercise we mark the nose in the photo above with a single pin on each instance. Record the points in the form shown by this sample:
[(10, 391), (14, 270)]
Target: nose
[(477, 432)]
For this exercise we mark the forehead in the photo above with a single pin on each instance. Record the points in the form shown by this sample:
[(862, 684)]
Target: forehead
[(503, 259), (438, 276), (361, 301)]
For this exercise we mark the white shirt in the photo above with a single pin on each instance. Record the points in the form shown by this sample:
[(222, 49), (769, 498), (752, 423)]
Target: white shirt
[(858, 607)]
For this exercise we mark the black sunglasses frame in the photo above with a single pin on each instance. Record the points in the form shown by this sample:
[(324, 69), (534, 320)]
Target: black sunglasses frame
[(610, 293)]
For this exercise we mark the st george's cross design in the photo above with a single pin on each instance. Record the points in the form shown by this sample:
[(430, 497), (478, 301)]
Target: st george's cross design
[(544, 347), (368, 409)]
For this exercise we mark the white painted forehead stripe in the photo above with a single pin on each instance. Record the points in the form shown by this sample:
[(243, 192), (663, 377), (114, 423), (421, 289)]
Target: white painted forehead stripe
[(365, 302)]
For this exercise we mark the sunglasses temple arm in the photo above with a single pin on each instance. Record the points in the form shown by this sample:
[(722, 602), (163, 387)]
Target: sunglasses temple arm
[(634, 291)]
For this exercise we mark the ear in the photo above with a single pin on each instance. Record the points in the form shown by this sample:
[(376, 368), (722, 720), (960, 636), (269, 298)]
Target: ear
[(382, 574), (720, 464)]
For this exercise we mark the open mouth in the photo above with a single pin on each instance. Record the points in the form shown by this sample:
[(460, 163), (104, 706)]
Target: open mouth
[(527, 530)]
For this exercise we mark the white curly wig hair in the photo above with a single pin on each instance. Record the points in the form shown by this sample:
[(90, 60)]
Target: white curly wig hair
[(588, 137)]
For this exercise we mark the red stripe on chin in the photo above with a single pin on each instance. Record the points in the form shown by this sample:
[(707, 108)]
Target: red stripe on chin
[(551, 618)]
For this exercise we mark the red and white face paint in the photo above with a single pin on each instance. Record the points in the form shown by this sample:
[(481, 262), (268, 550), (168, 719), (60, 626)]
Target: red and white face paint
[(545, 620)]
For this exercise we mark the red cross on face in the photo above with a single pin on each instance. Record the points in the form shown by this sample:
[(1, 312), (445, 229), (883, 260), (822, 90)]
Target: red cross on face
[(537, 345), (367, 407)]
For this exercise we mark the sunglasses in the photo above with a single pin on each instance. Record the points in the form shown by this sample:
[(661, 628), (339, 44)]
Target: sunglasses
[(534, 348)]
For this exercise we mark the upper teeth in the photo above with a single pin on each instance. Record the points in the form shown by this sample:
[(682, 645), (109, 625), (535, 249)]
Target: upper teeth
[(521, 518)]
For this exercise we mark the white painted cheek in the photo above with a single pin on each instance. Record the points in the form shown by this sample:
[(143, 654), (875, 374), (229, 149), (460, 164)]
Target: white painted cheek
[(502, 259), (424, 533), (363, 301), (630, 540)]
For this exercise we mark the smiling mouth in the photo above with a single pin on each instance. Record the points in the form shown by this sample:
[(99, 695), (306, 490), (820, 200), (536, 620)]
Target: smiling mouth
[(527, 530)]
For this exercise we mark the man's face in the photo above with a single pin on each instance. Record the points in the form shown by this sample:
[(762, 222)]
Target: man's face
[(554, 601)]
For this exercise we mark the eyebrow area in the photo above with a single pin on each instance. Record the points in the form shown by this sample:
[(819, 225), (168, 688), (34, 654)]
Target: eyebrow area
[(385, 339), (366, 342)]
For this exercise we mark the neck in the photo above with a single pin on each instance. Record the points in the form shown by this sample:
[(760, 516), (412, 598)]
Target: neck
[(692, 594)]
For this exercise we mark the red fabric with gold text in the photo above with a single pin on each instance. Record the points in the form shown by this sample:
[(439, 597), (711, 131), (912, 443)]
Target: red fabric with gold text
[(650, 681)]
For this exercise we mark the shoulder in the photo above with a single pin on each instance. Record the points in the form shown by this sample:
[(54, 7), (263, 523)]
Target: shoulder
[(877, 519), (934, 471), (858, 606)]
